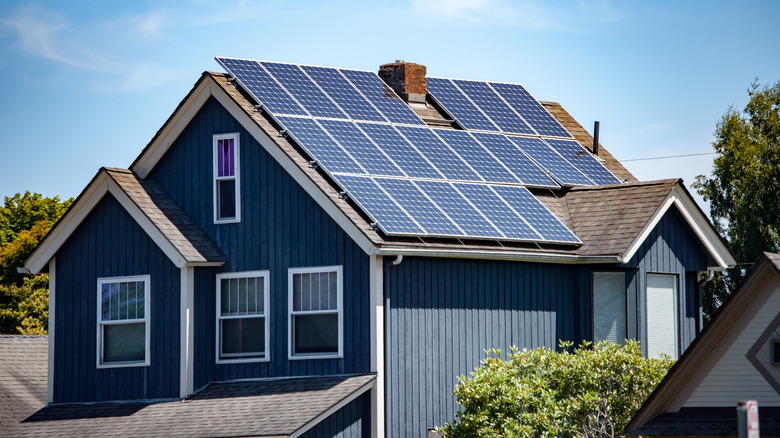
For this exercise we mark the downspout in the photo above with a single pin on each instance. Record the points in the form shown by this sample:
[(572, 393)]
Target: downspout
[(398, 259)]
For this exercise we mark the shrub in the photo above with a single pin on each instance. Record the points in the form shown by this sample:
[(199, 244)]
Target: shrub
[(592, 390)]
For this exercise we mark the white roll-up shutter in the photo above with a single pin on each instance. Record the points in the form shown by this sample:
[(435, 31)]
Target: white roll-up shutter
[(662, 321), (609, 306)]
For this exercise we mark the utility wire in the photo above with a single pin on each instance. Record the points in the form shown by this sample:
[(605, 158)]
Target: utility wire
[(669, 156)]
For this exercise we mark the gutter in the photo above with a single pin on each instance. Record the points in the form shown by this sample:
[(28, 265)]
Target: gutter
[(503, 255)]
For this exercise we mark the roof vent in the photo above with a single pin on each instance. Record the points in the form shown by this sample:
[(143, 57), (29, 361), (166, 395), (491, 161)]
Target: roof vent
[(405, 78)]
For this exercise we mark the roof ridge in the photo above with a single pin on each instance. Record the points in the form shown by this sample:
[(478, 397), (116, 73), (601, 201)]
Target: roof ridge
[(658, 182)]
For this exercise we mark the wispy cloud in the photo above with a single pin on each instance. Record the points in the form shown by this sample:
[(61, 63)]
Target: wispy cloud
[(525, 14), (121, 48)]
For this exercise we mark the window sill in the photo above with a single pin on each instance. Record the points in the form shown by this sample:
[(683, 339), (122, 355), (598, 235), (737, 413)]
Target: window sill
[(122, 365), (316, 356), (244, 360)]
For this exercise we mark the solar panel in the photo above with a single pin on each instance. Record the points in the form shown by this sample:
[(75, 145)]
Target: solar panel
[(458, 105), (530, 109), (503, 217), (400, 150), (377, 205), (318, 144), (304, 90), (493, 106), (459, 209), (343, 93), (583, 160), (439, 154), (476, 156), (360, 147), (419, 207), (561, 170), (515, 160), (536, 214), (382, 97), (255, 80)]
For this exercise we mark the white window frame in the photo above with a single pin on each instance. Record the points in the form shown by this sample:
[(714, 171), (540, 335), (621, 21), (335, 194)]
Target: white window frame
[(339, 310), (675, 311), (622, 339), (236, 176), (266, 310), (146, 320)]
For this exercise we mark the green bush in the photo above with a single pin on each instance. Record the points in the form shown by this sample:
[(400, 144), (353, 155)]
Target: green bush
[(592, 391)]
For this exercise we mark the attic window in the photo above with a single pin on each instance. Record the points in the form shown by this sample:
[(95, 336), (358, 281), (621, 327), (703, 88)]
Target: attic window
[(775, 352), (227, 205)]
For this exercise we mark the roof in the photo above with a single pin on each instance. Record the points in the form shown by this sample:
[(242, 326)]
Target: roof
[(153, 209), (23, 379), (709, 422), (702, 355), (282, 407)]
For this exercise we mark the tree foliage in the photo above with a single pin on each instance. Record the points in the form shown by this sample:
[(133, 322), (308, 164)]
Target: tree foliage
[(24, 221), (592, 390), (744, 188)]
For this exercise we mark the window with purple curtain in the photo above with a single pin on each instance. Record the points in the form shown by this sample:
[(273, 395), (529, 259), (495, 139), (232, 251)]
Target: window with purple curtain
[(226, 177)]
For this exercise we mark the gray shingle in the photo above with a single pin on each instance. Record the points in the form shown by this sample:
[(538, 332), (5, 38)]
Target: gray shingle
[(23, 366)]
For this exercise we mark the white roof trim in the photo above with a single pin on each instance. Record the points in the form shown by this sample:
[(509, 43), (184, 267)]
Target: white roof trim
[(189, 108), (498, 255), (89, 198), (699, 224)]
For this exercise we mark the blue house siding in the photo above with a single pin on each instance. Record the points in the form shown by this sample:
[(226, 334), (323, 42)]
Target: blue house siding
[(671, 248), (109, 243), (281, 227), (441, 314), (351, 421)]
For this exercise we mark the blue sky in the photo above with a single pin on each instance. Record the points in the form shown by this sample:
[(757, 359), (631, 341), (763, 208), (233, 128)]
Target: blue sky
[(87, 84)]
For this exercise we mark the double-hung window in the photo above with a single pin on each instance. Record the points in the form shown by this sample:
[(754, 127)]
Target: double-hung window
[(242, 322), (316, 319), (123, 321), (227, 205)]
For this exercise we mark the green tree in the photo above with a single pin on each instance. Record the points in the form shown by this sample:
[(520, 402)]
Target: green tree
[(24, 221), (744, 188), (592, 390)]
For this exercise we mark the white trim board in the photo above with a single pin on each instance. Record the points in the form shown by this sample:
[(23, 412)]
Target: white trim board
[(89, 198), (52, 315), (699, 224)]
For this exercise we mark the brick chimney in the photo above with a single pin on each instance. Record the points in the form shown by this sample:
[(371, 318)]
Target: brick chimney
[(407, 79)]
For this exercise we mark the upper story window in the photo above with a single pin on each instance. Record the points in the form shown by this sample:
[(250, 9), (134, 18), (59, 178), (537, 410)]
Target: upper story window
[(242, 324), (123, 321), (316, 316), (609, 306), (227, 205)]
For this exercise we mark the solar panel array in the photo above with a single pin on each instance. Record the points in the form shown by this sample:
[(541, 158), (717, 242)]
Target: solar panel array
[(411, 179)]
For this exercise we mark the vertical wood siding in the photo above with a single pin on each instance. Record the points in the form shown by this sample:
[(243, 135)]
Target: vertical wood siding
[(442, 314), (110, 244), (281, 227), (351, 421)]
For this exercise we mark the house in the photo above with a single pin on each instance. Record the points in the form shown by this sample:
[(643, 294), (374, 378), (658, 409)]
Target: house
[(735, 359), (315, 241)]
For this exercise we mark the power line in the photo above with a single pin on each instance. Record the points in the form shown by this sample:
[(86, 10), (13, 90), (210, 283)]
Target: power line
[(668, 156)]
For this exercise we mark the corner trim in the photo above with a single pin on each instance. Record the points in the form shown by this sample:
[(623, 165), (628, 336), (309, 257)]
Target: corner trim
[(186, 332), (377, 322), (52, 315)]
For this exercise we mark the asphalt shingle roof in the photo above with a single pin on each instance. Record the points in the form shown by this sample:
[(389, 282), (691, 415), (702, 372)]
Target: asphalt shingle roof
[(23, 380), (716, 421), (249, 408)]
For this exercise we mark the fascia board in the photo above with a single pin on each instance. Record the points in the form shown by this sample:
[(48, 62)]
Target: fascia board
[(63, 229), (290, 167), (168, 134), (499, 255), (698, 223)]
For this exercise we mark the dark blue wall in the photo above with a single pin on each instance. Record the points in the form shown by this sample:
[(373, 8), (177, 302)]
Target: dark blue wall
[(281, 227), (441, 315), (351, 421), (110, 244)]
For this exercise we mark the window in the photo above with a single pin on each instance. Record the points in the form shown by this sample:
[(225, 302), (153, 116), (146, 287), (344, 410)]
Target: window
[(609, 306), (242, 324), (123, 321), (315, 312), (662, 320), (227, 205)]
